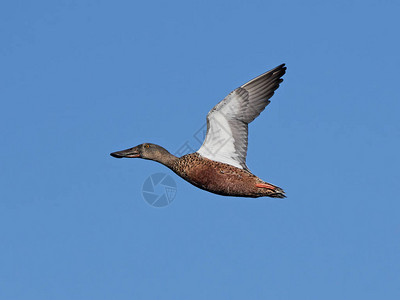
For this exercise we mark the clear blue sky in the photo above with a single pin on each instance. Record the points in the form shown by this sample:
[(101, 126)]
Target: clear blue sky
[(80, 79)]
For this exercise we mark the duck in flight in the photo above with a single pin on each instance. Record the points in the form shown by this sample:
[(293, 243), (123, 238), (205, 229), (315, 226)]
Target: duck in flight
[(219, 166)]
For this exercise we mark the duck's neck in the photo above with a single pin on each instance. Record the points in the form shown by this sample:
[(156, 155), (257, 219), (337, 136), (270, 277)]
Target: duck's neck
[(165, 158)]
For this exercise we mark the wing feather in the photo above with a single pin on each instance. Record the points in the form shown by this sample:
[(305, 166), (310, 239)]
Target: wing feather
[(227, 123)]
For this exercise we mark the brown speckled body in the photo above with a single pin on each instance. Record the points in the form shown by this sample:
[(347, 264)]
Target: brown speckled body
[(221, 178)]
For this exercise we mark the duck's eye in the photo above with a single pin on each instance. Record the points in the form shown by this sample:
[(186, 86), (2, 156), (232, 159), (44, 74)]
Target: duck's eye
[(147, 146)]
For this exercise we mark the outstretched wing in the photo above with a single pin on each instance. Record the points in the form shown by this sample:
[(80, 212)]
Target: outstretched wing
[(227, 122)]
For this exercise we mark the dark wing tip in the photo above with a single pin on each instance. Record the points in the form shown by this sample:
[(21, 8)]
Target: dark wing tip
[(271, 75), (280, 67), (281, 70)]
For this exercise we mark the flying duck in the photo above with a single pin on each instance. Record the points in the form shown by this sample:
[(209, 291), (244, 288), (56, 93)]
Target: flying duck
[(219, 166)]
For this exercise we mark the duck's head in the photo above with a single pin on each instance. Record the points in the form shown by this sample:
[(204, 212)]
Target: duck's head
[(146, 151)]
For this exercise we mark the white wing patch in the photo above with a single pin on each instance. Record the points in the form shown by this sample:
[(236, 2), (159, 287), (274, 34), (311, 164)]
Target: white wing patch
[(227, 122), (219, 142)]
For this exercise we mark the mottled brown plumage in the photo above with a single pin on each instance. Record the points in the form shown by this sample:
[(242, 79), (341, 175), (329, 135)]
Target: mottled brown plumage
[(220, 178)]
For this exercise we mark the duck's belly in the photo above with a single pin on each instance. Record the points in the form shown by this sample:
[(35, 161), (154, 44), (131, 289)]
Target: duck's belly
[(222, 179)]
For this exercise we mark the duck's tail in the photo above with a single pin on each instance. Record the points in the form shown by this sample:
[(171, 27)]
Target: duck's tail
[(277, 193), (271, 190)]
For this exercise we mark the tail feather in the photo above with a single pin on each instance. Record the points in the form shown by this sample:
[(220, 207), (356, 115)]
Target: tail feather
[(278, 193)]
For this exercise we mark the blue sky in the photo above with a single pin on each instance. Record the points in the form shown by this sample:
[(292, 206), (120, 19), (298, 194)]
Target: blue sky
[(80, 79)]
